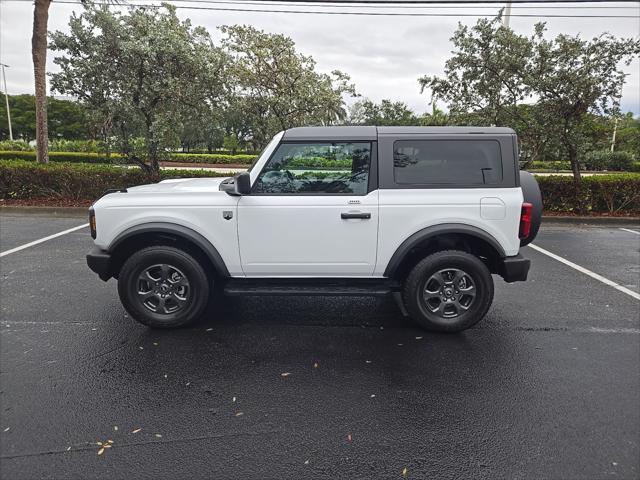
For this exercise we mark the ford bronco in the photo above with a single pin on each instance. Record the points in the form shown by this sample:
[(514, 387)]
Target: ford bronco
[(426, 214)]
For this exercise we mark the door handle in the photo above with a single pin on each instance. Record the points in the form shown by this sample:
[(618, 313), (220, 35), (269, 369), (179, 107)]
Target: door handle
[(348, 215)]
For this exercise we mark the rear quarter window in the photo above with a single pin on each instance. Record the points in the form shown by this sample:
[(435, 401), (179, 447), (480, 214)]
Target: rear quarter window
[(447, 162)]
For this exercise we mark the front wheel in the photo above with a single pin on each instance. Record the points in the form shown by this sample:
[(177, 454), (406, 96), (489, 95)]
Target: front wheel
[(448, 291), (163, 287)]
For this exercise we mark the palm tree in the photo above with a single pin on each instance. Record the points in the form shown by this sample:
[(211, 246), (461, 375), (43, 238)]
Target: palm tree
[(39, 56)]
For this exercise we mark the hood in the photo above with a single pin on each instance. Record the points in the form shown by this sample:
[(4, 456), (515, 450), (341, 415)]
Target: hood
[(181, 185)]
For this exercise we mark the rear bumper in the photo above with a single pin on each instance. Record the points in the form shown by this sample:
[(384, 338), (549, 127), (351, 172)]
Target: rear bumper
[(100, 262), (514, 269)]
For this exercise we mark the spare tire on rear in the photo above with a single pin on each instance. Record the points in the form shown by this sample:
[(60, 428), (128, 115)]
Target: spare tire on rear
[(532, 195)]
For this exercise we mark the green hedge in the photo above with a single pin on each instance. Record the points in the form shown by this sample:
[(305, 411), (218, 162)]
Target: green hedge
[(618, 193), (20, 179), (616, 162), (596, 194), (87, 157), (212, 158)]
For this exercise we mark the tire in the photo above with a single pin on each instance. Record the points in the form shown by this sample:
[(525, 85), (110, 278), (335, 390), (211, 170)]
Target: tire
[(531, 193), (437, 270), (163, 287)]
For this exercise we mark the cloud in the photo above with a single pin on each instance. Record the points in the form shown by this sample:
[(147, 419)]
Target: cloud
[(384, 55)]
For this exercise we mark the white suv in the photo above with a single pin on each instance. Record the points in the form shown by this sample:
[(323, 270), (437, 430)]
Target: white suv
[(424, 213)]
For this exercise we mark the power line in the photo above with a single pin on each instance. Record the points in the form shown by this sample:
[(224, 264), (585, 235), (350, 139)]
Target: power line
[(406, 3), (377, 14), (281, 3)]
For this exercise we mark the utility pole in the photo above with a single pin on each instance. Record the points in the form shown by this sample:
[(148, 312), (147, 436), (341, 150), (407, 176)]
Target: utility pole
[(506, 14), (613, 137), (6, 99)]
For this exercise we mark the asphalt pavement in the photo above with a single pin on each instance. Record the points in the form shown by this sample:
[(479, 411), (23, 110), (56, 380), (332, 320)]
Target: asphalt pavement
[(547, 386)]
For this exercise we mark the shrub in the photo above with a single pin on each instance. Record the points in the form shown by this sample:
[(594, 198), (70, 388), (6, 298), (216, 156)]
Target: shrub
[(621, 161), (68, 157), (596, 161), (16, 146), (24, 180), (62, 145), (606, 160), (91, 157), (212, 158), (595, 194)]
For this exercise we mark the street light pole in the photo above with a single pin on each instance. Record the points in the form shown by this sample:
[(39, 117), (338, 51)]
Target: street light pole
[(506, 14), (6, 99)]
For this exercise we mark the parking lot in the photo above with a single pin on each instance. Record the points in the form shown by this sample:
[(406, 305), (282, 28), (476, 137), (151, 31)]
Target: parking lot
[(547, 386)]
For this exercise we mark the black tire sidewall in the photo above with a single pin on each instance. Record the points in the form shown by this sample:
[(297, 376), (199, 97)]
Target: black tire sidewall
[(198, 281), (421, 273)]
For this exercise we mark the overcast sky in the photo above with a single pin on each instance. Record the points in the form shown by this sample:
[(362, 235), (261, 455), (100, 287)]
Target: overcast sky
[(384, 55)]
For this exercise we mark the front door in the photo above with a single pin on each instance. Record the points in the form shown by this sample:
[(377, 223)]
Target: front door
[(313, 212)]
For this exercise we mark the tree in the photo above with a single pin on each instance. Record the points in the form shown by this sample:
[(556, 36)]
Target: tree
[(435, 118), (573, 77), (278, 87), (387, 113), (543, 88), (66, 119), (39, 56), (140, 74)]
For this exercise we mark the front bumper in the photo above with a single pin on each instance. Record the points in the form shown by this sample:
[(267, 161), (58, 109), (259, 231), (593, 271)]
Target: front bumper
[(514, 269), (100, 262)]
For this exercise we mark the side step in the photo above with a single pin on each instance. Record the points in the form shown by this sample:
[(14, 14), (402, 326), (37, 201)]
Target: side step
[(311, 287)]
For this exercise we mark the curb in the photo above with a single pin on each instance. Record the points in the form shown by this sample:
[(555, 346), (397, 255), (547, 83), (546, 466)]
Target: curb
[(56, 211), (590, 220)]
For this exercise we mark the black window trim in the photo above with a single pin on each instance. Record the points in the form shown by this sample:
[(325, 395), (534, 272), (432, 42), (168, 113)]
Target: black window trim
[(372, 180)]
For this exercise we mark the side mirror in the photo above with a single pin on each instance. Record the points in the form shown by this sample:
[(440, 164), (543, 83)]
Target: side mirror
[(240, 184)]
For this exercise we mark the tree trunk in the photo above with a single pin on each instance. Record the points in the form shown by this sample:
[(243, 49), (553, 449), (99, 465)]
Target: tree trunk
[(575, 167), (39, 55)]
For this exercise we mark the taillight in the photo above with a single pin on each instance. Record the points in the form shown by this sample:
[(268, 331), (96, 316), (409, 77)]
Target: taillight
[(92, 222), (525, 220)]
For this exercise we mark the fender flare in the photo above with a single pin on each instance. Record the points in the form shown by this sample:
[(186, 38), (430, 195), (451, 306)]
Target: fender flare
[(178, 230), (435, 230)]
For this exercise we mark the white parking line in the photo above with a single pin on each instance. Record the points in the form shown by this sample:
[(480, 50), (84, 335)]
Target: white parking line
[(36, 242), (630, 231), (577, 267)]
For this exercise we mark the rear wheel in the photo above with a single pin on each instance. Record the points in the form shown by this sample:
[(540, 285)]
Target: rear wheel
[(448, 291), (163, 287)]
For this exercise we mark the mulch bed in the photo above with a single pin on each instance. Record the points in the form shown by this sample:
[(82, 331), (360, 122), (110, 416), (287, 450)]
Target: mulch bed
[(45, 202)]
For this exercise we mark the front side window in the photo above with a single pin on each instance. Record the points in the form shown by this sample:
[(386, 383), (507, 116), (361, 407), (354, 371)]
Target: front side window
[(322, 168), (447, 162)]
